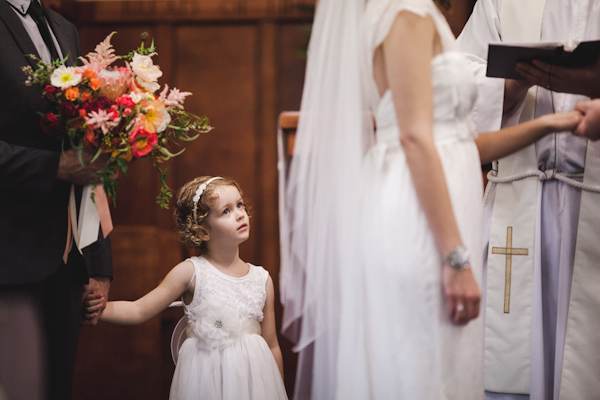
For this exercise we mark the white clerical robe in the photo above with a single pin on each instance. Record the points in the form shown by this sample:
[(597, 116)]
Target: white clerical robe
[(556, 219)]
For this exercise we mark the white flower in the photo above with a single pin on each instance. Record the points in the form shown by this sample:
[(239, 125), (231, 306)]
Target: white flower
[(65, 77), (146, 73), (137, 97), (218, 326)]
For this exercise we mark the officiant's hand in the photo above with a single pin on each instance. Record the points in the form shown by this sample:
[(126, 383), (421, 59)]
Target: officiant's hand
[(585, 80), (514, 92), (71, 170), (462, 295), (589, 126)]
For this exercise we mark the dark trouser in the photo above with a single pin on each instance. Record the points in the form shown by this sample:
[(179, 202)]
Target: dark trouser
[(39, 331)]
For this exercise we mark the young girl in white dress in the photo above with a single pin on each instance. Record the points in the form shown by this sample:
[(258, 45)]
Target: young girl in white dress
[(231, 351)]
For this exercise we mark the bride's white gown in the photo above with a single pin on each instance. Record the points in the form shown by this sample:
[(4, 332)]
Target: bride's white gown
[(410, 348)]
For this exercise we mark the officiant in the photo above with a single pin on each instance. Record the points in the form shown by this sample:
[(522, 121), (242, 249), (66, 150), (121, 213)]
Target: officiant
[(542, 224), (42, 277)]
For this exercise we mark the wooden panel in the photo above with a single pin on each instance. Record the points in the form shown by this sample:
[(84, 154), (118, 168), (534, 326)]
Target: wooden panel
[(124, 362), (218, 65)]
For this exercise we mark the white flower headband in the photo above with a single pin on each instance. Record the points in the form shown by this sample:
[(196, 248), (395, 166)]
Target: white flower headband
[(199, 192)]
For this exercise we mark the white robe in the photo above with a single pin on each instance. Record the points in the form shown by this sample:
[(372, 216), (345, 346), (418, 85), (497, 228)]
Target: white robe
[(561, 20)]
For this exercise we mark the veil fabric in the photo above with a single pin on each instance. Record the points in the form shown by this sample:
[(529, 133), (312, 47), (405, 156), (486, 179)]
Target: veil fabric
[(320, 197)]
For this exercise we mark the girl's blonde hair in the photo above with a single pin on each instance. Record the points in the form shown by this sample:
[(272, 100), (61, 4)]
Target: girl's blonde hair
[(190, 228)]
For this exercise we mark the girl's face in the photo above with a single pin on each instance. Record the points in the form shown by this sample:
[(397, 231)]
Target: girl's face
[(228, 221)]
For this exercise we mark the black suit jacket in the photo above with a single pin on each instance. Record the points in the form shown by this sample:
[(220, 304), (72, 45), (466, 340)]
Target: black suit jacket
[(33, 205)]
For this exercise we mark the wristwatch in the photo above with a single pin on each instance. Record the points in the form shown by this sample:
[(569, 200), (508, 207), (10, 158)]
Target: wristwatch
[(458, 258)]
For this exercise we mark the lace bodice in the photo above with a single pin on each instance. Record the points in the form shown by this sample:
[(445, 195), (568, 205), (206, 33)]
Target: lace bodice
[(247, 294), (454, 86)]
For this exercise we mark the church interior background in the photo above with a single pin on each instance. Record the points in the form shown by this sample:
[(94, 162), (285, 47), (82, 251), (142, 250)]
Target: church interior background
[(244, 61)]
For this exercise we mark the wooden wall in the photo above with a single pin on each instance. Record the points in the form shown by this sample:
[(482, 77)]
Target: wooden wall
[(242, 61)]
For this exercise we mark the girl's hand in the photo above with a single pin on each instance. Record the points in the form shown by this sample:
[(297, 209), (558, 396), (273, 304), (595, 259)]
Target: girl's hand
[(561, 122), (462, 295), (92, 305)]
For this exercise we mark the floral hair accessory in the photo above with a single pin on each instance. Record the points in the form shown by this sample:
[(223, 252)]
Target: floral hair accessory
[(199, 192)]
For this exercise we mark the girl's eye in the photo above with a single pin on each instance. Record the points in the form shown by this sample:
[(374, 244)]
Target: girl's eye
[(226, 211), (240, 205)]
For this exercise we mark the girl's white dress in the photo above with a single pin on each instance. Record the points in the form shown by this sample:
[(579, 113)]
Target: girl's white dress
[(224, 355), (411, 348)]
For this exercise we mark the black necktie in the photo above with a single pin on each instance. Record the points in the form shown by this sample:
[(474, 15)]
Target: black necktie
[(35, 10)]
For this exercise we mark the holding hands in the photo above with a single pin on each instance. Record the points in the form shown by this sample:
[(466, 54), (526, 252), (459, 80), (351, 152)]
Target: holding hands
[(589, 126)]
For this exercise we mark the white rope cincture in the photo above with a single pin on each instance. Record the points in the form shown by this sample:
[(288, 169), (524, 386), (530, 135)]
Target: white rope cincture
[(545, 176)]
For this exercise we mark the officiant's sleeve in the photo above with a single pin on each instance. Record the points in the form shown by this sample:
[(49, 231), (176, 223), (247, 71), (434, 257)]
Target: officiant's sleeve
[(27, 171), (483, 28)]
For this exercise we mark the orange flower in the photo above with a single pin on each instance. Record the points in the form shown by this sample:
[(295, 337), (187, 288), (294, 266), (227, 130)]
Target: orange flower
[(71, 93), (126, 154), (89, 73), (94, 83), (90, 139), (85, 96)]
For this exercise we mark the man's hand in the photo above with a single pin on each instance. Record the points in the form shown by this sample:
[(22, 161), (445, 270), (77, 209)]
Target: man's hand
[(589, 126), (71, 170), (514, 92), (97, 289), (584, 81)]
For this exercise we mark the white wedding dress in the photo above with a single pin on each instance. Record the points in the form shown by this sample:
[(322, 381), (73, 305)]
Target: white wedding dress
[(411, 349), (224, 357)]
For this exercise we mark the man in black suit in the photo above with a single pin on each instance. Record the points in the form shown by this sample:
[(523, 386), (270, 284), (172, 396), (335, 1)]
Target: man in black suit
[(38, 289)]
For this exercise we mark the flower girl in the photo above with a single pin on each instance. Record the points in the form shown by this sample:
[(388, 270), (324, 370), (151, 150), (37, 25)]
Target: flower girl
[(231, 350)]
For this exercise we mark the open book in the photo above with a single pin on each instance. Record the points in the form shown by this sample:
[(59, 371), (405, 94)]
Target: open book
[(502, 57)]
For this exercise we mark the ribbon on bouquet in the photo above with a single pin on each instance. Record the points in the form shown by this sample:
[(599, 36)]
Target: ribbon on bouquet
[(93, 213)]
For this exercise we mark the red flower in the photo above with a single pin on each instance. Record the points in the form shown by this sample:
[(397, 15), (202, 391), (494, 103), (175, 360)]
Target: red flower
[(142, 142), (68, 110), (50, 91), (50, 124)]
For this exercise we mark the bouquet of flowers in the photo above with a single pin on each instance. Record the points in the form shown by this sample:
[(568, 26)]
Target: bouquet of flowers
[(114, 110)]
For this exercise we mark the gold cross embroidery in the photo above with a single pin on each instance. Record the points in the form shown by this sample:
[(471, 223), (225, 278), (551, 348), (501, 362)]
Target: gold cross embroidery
[(508, 251)]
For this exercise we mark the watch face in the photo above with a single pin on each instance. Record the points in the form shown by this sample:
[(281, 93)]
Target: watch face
[(458, 257)]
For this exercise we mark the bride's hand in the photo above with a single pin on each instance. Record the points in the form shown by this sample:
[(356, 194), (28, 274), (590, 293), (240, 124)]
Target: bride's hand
[(462, 295)]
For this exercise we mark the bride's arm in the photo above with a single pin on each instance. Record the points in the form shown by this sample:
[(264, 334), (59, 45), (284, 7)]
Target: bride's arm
[(407, 53)]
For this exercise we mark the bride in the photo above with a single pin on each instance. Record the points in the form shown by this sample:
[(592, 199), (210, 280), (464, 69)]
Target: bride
[(381, 253)]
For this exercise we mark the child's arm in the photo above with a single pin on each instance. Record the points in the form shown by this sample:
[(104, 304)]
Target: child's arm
[(141, 310), (269, 331)]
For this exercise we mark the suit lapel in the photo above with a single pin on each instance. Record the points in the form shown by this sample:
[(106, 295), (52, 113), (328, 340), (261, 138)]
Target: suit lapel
[(64, 36), (18, 32)]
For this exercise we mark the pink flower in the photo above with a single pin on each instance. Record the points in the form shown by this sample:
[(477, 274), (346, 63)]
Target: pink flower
[(142, 142), (125, 101), (114, 81)]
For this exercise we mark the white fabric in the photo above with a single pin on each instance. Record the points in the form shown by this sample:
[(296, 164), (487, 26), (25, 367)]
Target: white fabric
[(238, 367), (371, 323), (319, 213), (412, 349), (559, 202)]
